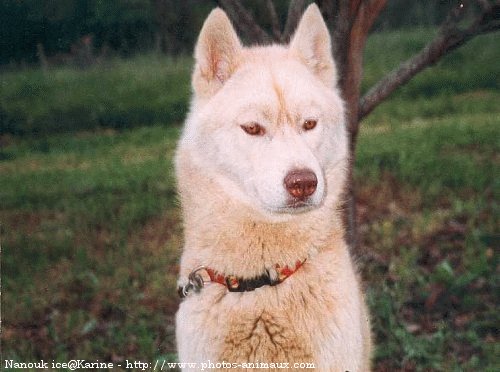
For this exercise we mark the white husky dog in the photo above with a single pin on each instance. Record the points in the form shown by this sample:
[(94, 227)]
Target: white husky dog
[(266, 277)]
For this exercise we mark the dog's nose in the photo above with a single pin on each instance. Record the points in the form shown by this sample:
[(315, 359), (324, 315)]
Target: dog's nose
[(301, 183)]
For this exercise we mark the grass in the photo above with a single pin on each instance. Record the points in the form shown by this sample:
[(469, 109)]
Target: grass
[(91, 233), (429, 220), (118, 94), (81, 247)]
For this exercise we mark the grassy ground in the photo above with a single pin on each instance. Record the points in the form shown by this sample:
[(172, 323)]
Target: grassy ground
[(91, 239), (91, 233), (117, 94)]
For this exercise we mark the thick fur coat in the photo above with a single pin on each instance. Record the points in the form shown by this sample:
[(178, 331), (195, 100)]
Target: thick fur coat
[(245, 133)]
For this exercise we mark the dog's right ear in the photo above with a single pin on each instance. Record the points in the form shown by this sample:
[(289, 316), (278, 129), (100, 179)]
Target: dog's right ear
[(217, 54)]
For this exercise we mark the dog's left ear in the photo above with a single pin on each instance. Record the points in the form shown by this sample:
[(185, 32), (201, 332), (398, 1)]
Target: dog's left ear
[(217, 54), (311, 44)]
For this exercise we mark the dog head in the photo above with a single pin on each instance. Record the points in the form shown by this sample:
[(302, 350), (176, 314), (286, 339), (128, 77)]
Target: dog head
[(267, 122)]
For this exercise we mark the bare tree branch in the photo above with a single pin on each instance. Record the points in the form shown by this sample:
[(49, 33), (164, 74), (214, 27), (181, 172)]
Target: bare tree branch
[(354, 6), (244, 21), (295, 10), (363, 13), (328, 10), (275, 24), (370, 10), (449, 38), (340, 32)]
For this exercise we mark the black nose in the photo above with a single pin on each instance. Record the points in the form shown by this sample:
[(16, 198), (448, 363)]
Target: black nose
[(300, 183)]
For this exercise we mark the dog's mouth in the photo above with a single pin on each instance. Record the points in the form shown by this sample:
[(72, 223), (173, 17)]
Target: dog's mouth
[(296, 206)]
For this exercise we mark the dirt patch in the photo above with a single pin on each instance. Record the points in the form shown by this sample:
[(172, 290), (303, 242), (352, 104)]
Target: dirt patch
[(160, 232), (25, 222)]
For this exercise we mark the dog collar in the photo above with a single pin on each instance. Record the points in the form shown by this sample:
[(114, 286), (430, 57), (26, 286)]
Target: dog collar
[(234, 283)]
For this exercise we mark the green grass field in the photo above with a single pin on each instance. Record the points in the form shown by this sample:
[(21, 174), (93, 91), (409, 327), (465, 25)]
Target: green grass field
[(91, 233)]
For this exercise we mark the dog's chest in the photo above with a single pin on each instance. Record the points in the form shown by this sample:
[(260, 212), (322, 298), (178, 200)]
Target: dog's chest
[(270, 336), (307, 318)]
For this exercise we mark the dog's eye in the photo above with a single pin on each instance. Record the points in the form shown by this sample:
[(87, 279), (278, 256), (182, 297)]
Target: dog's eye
[(254, 129), (309, 124)]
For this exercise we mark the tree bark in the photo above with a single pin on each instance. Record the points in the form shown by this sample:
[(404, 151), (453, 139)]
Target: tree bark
[(295, 10), (275, 24), (244, 22), (351, 31)]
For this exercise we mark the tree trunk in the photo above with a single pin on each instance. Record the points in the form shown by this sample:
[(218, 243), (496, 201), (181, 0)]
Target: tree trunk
[(351, 21)]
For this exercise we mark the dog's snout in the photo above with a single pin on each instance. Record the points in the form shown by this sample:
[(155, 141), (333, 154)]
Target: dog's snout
[(301, 183)]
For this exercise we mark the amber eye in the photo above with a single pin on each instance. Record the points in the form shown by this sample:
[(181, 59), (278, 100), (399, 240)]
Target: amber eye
[(309, 124), (254, 129)]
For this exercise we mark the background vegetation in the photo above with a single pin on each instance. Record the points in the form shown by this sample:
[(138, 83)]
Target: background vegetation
[(91, 232), (131, 26)]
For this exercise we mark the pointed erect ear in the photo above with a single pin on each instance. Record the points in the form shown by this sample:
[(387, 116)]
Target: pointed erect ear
[(217, 54), (311, 44)]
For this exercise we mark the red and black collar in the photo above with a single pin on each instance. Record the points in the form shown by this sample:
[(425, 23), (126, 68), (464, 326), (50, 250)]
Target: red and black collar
[(234, 283)]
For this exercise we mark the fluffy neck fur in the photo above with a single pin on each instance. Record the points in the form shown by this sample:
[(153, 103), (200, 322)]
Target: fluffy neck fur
[(225, 234)]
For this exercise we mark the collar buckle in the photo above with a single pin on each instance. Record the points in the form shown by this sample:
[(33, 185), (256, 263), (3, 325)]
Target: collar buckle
[(195, 282)]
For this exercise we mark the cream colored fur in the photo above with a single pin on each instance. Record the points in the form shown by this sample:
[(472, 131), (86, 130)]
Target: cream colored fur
[(236, 217)]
